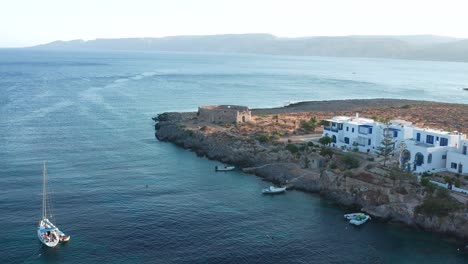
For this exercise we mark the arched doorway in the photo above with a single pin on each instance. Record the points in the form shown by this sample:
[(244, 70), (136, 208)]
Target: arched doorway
[(418, 159)]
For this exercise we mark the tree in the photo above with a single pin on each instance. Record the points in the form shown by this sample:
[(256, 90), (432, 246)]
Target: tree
[(309, 126), (387, 144), (325, 140), (326, 152)]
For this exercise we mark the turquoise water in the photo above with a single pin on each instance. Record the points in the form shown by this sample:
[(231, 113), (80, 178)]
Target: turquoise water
[(127, 198)]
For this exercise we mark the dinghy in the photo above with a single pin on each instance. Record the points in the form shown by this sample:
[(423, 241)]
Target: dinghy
[(359, 220), (47, 232), (225, 168), (274, 190), (352, 216)]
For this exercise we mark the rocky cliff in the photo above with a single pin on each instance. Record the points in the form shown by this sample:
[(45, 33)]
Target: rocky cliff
[(389, 198)]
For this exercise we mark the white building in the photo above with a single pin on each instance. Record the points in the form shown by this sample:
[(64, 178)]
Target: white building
[(425, 150), (363, 133)]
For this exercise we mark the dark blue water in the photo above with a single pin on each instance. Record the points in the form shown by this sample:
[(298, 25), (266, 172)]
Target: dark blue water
[(126, 198)]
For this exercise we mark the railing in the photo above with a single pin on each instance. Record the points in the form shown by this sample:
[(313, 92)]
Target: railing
[(326, 128), (334, 129)]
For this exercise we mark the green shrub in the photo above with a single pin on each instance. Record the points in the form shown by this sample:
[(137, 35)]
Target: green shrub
[(440, 204), (350, 161), (292, 148), (425, 182), (309, 126), (457, 183), (333, 166), (326, 140), (263, 138), (326, 152), (425, 174), (447, 179)]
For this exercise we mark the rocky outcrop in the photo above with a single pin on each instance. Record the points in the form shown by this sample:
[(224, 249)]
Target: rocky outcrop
[(392, 200)]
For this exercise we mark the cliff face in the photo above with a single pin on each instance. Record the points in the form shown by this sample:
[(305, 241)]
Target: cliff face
[(393, 200)]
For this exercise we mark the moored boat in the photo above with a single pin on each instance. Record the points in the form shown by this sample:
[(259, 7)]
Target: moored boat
[(47, 232), (224, 168), (274, 190), (359, 220), (353, 215)]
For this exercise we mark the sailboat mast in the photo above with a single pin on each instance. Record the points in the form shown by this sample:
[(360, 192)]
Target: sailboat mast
[(44, 200)]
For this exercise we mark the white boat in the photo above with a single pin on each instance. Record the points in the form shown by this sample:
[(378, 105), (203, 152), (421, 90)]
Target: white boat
[(274, 190), (359, 220), (352, 216), (47, 232), (225, 168)]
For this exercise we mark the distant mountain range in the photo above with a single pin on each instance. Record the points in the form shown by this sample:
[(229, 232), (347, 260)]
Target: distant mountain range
[(419, 47)]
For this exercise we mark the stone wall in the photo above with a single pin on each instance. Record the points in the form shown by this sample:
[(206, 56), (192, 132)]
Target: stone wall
[(224, 114)]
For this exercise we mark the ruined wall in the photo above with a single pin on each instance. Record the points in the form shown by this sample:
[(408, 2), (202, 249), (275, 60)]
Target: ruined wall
[(224, 114)]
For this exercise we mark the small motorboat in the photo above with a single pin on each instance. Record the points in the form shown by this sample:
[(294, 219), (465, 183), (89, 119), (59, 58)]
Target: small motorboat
[(224, 168), (274, 190), (352, 216), (359, 220)]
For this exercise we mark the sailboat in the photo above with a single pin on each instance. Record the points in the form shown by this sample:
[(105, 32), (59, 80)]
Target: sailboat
[(47, 232)]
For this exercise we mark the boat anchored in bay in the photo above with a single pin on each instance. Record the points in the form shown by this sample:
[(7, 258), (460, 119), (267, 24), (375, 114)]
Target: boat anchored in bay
[(224, 168), (274, 190), (47, 232)]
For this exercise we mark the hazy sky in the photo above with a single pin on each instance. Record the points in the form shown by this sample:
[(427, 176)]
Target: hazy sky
[(29, 22)]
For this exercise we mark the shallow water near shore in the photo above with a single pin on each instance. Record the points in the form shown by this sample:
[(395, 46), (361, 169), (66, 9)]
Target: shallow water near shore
[(124, 197)]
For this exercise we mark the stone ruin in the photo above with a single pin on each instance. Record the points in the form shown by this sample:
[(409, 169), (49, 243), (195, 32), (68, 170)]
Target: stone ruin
[(225, 114)]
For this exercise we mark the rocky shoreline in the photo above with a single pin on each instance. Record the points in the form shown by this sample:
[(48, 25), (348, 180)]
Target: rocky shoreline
[(380, 191)]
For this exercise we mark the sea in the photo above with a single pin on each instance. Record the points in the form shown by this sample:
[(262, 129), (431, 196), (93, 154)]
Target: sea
[(125, 197)]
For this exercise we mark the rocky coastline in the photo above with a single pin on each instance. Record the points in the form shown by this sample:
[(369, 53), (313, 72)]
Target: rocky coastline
[(381, 191)]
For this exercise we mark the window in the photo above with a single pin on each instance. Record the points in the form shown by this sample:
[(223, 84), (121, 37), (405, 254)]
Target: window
[(429, 139), (346, 140), (418, 136), (347, 128), (437, 138), (370, 130), (352, 130), (453, 165), (395, 134), (443, 142), (429, 158), (444, 156), (369, 142), (340, 126), (464, 150)]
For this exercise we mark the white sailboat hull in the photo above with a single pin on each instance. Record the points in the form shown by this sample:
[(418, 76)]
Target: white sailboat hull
[(47, 234)]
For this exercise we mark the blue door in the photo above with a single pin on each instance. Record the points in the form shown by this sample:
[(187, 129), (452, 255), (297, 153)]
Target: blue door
[(464, 150), (418, 137)]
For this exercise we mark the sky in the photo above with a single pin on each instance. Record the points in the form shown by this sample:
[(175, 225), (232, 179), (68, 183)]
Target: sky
[(32, 22)]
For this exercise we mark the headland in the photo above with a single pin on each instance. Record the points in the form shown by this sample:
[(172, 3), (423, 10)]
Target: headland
[(281, 145)]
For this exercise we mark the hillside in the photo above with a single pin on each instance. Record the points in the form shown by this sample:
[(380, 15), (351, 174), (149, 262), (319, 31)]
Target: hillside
[(420, 47)]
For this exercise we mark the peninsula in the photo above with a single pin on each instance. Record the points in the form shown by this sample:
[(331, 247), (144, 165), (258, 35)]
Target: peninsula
[(286, 145)]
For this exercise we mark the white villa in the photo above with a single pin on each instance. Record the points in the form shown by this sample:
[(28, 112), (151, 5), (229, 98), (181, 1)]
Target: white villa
[(420, 149)]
